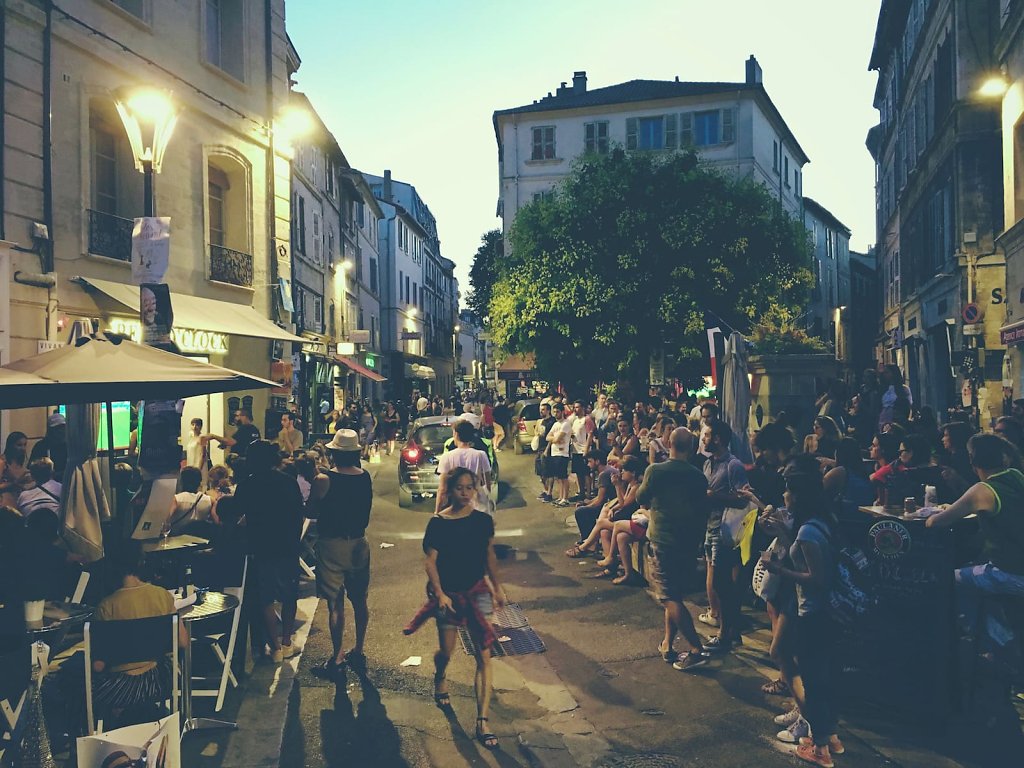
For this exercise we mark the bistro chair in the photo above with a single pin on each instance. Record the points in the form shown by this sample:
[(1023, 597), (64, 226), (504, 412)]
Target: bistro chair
[(78, 593), (15, 675), (306, 568), (131, 641), (225, 653)]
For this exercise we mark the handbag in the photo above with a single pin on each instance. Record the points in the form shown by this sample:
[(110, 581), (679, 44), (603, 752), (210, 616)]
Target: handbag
[(765, 583), (735, 521), (535, 443)]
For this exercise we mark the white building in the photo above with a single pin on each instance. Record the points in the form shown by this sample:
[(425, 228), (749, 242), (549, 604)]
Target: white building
[(734, 126), (224, 183), (830, 262)]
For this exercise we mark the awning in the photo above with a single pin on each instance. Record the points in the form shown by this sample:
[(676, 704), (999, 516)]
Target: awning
[(361, 370), (518, 364), (202, 314)]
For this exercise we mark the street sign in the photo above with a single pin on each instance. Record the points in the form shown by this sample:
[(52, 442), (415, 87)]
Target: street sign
[(974, 330), (359, 336), (971, 313)]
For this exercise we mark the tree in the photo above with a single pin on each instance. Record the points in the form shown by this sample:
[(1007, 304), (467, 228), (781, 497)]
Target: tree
[(484, 272), (628, 255)]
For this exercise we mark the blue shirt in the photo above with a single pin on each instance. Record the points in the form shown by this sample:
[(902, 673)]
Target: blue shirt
[(811, 598)]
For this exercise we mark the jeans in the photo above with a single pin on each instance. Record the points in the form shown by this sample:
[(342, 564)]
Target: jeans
[(586, 519), (814, 654), (975, 582)]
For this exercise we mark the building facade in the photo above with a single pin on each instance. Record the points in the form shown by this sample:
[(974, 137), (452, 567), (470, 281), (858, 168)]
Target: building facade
[(830, 262), (71, 189), (938, 192), (734, 126)]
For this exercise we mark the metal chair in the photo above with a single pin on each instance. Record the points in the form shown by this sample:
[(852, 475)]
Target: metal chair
[(223, 654), (130, 641), (15, 675)]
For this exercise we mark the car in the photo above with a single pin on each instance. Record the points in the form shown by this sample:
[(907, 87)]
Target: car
[(525, 415), (417, 462)]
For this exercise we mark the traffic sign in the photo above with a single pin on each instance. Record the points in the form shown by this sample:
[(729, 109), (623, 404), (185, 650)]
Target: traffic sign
[(971, 313)]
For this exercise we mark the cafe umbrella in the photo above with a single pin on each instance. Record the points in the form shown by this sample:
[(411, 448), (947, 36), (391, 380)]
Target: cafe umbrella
[(104, 367), (735, 395)]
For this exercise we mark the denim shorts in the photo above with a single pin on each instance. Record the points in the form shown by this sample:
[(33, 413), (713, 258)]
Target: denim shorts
[(483, 602), (718, 551)]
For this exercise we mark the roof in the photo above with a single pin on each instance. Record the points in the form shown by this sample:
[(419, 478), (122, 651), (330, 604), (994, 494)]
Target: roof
[(823, 213), (525, 363), (647, 90), (892, 18)]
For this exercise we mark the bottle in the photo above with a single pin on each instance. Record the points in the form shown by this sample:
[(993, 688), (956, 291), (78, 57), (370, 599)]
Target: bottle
[(909, 505), (930, 496), (188, 587)]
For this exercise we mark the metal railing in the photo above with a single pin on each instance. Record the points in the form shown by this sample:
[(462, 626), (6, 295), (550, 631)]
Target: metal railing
[(229, 266), (110, 236)]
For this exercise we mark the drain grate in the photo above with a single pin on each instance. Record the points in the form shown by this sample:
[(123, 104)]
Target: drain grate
[(509, 622), (652, 760)]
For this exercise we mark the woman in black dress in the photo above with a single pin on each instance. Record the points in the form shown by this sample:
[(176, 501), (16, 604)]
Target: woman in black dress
[(462, 588)]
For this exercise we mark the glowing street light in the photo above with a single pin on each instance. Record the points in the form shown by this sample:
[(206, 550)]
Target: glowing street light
[(994, 87), (149, 116), (293, 123)]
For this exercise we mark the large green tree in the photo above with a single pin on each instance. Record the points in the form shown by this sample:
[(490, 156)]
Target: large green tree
[(484, 272), (627, 256)]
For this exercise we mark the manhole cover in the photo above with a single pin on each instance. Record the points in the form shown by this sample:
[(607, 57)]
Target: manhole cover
[(644, 761)]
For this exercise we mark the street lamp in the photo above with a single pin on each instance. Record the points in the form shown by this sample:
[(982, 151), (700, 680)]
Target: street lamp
[(149, 117), (993, 87), (455, 352)]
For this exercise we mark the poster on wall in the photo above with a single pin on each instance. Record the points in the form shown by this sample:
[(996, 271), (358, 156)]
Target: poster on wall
[(156, 315), (151, 249)]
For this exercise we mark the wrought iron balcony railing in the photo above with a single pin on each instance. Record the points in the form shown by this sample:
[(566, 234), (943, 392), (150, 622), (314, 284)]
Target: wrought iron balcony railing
[(228, 266), (110, 236)]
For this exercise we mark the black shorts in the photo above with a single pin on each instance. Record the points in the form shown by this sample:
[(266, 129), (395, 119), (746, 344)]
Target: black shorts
[(277, 578), (579, 464), (557, 467)]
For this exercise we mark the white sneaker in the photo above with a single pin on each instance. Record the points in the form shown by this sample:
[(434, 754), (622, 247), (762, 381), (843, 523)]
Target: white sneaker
[(792, 735), (788, 718), (707, 618)]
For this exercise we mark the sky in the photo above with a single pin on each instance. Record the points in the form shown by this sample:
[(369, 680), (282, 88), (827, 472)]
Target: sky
[(411, 85)]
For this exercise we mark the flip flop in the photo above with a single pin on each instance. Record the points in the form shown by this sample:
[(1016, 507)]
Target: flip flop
[(576, 551), (626, 581), (488, 740), (605, 574)]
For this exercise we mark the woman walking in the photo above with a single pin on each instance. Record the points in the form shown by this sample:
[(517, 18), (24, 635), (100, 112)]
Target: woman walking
[(340, 501), (462, 588), (390, 422)]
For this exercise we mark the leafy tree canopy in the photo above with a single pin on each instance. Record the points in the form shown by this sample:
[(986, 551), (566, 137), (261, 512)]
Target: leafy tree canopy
[(627, 256), (484, 272)]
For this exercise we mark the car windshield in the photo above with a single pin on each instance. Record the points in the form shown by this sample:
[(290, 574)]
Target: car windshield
[(433, 436), (530, 412)]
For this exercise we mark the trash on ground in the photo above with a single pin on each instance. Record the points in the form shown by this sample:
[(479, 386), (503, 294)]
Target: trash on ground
[(412, 661), (386, 545)]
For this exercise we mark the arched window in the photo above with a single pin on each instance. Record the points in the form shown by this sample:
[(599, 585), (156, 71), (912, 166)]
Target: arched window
[(229, 217)]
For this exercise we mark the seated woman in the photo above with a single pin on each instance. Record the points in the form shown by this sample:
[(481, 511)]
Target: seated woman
[(847, 482), (624, 533), (914, 453), (954, 459), (620, 508), (624, 442), (827, 433)]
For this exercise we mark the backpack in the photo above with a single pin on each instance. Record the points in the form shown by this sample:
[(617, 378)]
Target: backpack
[(852, 596)]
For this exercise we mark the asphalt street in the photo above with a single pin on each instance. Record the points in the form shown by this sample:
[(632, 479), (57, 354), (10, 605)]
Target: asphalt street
[(599, 696)]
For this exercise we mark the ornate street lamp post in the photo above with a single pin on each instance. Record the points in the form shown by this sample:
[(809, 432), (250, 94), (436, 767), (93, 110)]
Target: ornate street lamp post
[(149, 117)]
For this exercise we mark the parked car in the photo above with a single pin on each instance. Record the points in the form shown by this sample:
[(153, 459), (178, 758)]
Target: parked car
[(417, 463), (525, 415)]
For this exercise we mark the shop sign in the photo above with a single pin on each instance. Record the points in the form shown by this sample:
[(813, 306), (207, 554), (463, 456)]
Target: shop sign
[(1014, 334), (189, 340), (410, 335), (346, 348)]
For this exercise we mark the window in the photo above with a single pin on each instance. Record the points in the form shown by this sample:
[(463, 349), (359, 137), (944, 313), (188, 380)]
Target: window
[(547, 195), (104, 170), (415, 295), (361, 214), (318, 313), (651, 133), (217, 191), (707, 128), (136, 8), (406, 289), (595, 137), (302, 224), (373, 275), (373, 330), (225, 36), (543, 143), (316, 238), (785, 170), (775, 156)]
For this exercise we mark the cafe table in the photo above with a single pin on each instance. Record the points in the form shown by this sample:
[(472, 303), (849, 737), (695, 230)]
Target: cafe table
[(214, 604)]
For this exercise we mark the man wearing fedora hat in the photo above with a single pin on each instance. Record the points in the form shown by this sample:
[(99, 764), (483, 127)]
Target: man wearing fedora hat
[(340, 501)]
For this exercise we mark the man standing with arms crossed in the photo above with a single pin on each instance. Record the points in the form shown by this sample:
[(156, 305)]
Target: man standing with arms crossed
[(558, 456), (580, 440), (675, 492)]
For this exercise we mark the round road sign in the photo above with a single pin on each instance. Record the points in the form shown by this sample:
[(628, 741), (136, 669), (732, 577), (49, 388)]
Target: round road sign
[(971, 313)]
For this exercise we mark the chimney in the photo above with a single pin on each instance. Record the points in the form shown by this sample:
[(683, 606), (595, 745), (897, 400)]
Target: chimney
[(579, 82), (387, 186), (562, 90), (753, 71)]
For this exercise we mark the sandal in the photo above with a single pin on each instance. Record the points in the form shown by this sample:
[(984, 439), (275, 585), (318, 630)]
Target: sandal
[(776, 688), (576, 551), (488, 740), (441, 698), (632, 580), (329, 670), (668, 656)]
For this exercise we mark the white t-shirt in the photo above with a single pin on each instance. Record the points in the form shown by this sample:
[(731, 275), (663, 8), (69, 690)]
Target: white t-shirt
[(560, 442), (189, 508), (578, 428), (477, 463)]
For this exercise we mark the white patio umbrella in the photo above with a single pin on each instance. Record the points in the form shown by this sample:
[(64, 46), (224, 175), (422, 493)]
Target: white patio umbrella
[(83, 503), (106, 367), (735, 393)]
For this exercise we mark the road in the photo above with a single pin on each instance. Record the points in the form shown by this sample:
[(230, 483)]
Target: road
[(599, 696)]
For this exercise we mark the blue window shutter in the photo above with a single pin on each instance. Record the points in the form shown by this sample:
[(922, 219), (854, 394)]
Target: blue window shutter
[(686, 129), (728, 126), (631, 133), (670, 132)]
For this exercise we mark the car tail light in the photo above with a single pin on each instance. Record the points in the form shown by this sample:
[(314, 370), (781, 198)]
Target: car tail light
[(411, 453), (522, 424)]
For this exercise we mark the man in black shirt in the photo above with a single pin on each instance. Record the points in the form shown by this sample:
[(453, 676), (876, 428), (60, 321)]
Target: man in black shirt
[(244, 436), (501, 415)]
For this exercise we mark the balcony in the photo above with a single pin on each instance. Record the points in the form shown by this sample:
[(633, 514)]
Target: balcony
[(110, 236), (232, 267)]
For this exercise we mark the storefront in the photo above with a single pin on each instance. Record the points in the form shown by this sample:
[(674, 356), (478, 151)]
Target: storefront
[(231, 335), (517, 376), (360, 379)]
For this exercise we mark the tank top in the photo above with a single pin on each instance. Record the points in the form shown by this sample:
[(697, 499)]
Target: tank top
[(345, 511), (1002, 529)]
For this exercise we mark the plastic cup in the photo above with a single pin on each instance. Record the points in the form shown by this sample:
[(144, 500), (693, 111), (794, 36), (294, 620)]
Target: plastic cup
[(34, 611)]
